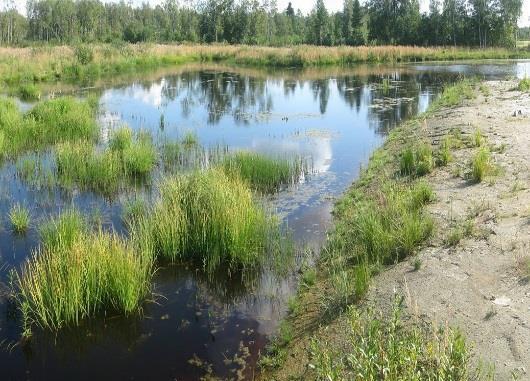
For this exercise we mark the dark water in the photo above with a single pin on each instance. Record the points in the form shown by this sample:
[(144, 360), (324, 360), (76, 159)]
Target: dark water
[(198, 325)]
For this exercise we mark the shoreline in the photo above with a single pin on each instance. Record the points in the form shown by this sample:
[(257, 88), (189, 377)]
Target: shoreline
[(35, 65), (471, 274)]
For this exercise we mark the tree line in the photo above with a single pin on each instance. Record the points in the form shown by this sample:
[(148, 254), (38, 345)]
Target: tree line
[(480, 23)]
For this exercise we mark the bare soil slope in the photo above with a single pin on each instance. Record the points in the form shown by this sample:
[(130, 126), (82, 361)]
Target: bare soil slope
[(481, 284)]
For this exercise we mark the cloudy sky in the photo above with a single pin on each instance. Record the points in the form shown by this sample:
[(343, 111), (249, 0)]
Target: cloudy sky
[(306, 5)]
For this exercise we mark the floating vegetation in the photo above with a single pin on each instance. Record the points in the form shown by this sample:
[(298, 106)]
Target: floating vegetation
[(264, 174), (208, 218), (78, 274)]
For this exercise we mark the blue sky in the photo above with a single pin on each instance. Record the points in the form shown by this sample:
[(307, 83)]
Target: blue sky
[(306, 5)]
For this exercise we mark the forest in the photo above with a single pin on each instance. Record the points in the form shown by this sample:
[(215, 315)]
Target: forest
[(476, 23)]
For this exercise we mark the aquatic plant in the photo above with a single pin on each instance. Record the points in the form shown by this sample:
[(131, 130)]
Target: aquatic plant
[(64, 119), (208, 218), (127, 158), (189, 139), (49, 122), (264, 174), (28, 92), (20, 218), (78, 274)]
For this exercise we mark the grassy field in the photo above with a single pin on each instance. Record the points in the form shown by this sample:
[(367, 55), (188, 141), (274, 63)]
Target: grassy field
[(378, 222), (22, 67)]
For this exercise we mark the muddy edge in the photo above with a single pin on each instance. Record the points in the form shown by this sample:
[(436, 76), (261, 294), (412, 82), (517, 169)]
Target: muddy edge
[(480, 284)]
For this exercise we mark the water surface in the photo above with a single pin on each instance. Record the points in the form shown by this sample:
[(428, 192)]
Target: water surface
[(198, 325)]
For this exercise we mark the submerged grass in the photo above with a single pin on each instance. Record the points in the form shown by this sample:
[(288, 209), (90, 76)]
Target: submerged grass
[(264, 174), (78, 274), (209, 218)]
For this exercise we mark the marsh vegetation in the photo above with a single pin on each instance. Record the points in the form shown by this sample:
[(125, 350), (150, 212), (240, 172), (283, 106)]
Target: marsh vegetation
[(150, 213)]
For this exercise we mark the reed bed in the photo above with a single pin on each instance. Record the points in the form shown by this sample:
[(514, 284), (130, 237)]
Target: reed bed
[(262, 173), (46, 64), (78, 274), (209, 218), (49, 122), (128, 157)]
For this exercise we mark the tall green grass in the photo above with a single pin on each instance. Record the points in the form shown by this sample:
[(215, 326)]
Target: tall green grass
[(78, 274), (416, 160), (128, 157), (455, 94), (264, 174), (481, 165), (49, 122), (20, 218), (373, 229), (209, 218)]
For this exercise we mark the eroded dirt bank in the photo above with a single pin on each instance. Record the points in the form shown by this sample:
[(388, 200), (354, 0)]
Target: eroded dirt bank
[(474, 273), (479, 284)]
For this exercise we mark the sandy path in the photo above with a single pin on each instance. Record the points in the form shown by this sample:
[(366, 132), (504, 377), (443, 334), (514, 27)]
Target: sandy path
[(478, 285)]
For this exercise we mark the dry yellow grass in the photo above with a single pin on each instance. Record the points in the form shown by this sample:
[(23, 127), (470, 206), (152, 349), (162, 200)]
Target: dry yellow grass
[(43, 64)]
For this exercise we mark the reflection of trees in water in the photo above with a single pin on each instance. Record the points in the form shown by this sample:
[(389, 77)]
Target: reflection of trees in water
[(385, 94), (321, 93), (221, 93)]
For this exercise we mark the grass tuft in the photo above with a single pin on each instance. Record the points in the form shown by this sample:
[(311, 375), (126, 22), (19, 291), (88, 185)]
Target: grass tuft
[(208, 218), (49, 122), (77, 274), (20, 218), (378, 228), (263, 173), (416, 161), (524, 85), (126, 159), (481, 165)]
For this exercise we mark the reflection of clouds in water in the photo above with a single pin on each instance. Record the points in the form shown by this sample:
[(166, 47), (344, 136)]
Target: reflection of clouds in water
[(317, 149), (523, 69), (108, 121), (151, 96)]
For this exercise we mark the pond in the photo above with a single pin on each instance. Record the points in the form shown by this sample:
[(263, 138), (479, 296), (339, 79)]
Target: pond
[(198, 325)]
